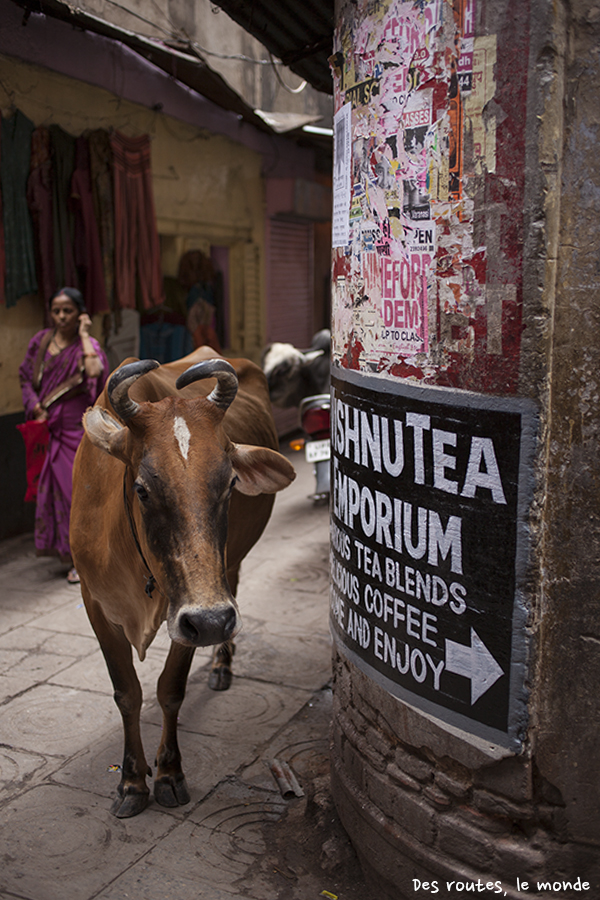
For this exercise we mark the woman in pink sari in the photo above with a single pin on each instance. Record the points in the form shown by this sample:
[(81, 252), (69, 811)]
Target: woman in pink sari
[(62, 374)]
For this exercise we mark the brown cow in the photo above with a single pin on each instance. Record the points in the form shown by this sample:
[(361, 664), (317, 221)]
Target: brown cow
[(160, 466)]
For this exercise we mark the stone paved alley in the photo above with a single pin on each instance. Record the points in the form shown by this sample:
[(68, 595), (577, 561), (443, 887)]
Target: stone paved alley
[(60, 735)]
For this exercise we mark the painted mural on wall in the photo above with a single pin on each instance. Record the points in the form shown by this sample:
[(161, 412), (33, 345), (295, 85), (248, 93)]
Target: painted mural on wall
[(415, 157)]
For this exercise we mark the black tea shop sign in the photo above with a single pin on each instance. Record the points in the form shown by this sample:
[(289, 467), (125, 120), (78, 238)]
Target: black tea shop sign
[(430, 495)]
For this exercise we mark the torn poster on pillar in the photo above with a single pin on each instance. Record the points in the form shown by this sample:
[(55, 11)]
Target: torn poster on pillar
[(403, 73)]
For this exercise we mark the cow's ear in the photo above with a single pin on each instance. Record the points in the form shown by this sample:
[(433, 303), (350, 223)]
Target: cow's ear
[(106, 433), (260, 470), (311, 355)]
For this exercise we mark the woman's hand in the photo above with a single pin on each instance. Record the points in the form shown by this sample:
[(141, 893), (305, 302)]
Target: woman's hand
[(91, 362), (85, 323), (39, 413)]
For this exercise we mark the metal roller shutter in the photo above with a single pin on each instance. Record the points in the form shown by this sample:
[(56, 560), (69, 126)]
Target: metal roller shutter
[(290, 304), (290, 295)]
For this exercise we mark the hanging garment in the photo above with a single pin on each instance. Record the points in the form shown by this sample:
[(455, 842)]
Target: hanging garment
[(197, 274), (102, 193), (137, 249), (39, 200), (164, 337), (86, 244), (201, 318), (63, 163), (18, 230)]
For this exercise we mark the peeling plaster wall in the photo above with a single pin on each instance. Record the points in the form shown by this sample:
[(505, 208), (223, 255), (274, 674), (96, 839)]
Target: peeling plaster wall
[(568, 673)]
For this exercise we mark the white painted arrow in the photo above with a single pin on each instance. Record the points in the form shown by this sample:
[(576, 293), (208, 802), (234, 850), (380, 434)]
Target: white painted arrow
[(474, 662)]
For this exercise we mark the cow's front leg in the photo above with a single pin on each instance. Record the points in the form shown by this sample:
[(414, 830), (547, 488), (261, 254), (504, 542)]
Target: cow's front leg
[(221, 672), (170, 788), (132, 792)]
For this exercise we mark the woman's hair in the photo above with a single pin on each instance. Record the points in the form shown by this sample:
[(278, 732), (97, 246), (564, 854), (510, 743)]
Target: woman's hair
[(73, 294)]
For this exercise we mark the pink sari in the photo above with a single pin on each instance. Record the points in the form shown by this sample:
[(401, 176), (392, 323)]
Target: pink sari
[(53, 505)]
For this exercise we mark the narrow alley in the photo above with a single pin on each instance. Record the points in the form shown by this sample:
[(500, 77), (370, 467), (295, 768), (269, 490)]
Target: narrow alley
[(61, 740)]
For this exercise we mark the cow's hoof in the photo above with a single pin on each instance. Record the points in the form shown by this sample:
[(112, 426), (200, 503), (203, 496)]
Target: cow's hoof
[(169, 791), (128, 804), (220, 678)]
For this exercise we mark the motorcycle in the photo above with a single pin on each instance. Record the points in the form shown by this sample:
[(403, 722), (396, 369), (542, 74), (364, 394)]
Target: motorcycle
[(315, 421)]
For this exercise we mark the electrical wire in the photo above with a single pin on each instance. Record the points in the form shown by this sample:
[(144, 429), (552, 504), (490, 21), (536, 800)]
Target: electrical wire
[(141, 18), (290, 90), (238, 56), (194, 45)]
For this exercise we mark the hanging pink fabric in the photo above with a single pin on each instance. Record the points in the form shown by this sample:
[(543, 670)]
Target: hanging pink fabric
[(86, 243), (137, 250)]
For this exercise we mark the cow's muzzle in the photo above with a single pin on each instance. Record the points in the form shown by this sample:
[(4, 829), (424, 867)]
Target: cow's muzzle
[(202, 628)]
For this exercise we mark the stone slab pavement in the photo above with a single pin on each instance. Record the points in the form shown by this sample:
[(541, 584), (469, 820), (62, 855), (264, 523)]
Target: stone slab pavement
[(61, 738)]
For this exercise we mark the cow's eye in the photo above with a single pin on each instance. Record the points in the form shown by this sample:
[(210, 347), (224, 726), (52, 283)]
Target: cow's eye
[(141, 492), (234, 481)]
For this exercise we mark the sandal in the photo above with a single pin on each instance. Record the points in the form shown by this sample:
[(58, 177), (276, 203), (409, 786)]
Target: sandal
[(73, 577)]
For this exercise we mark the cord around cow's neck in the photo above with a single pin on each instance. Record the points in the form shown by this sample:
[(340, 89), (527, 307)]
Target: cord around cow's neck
[(151, 583)]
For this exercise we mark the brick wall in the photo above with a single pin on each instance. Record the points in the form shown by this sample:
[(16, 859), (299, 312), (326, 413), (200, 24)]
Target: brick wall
[(415, 812)]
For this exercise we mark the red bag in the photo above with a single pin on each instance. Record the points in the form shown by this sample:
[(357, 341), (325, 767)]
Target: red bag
[(36, 436)]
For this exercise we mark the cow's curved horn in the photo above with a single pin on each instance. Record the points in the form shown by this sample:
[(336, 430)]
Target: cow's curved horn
[(223, 394), (120, 382)]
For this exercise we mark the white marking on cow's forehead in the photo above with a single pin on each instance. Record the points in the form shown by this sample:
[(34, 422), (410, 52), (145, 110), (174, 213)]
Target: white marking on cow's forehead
[(182, 433)]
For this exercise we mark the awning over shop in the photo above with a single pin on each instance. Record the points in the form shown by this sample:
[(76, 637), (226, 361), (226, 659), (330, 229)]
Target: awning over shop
[(300, 34), (187, 67)]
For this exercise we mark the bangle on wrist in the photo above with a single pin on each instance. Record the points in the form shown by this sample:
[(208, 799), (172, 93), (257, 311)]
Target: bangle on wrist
[(90, 356)]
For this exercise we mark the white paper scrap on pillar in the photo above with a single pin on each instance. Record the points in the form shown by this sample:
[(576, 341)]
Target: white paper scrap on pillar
[(342, 125)]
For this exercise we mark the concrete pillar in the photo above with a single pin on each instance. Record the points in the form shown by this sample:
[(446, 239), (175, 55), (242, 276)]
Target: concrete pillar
[(465, 504)]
